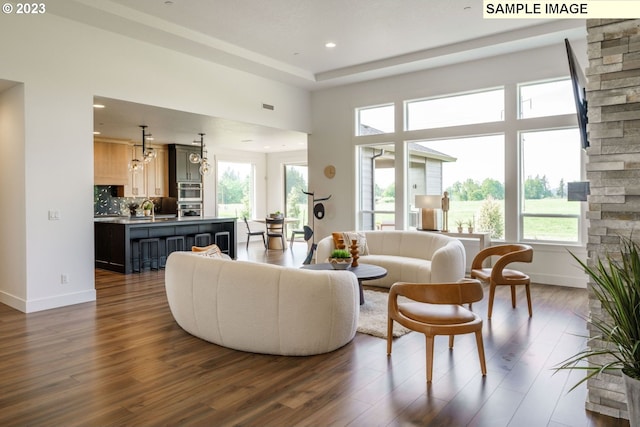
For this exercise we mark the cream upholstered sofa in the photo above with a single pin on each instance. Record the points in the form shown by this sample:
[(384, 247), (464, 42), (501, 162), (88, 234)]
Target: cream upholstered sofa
[(262, 308), (408, 256)]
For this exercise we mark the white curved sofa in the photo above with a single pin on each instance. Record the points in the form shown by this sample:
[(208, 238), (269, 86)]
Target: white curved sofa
[(262, 308), (408, 256)]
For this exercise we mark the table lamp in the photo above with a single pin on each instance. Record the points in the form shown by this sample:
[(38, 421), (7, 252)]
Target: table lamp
[(431, 212)]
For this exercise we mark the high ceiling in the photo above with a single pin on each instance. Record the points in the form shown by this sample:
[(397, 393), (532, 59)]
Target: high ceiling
[(285, 39)]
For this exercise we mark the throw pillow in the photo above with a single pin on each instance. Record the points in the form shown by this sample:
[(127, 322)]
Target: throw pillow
[(212, 251), (351, 236), (338, 238), (348, 237)]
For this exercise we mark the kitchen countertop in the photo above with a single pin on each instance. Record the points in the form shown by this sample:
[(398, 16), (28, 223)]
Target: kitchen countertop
[(159, 219)]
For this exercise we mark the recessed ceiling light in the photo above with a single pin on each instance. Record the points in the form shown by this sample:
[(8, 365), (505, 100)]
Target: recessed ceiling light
[(98, 106), (330, 45), (95, 132)]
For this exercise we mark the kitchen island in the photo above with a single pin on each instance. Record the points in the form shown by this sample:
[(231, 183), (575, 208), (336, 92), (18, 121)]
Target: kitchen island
[(116, 236)]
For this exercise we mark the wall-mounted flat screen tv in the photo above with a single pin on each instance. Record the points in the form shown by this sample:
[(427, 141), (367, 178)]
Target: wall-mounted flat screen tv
[(579, 84)]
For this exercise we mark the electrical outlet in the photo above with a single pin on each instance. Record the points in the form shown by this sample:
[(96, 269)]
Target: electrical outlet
[(54, 215), (64, 279)]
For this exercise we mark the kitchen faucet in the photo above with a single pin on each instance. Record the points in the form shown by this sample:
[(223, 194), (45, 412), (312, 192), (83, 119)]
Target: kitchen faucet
[(153, 208)]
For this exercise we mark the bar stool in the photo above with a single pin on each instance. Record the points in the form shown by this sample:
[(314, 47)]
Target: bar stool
[(201, 239), (172, 244), (219, 235), (146, 253)]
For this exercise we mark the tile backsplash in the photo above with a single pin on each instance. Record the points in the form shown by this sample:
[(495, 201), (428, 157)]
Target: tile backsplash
[(106, 202)]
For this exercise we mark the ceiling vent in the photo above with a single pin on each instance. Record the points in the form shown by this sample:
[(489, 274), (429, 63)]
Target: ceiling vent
[(268, 107)]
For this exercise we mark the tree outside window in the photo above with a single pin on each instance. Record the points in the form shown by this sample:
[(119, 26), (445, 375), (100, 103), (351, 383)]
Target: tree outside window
[(235, 190)]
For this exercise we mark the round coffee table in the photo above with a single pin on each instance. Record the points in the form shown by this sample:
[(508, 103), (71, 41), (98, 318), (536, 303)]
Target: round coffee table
[(362, 271)]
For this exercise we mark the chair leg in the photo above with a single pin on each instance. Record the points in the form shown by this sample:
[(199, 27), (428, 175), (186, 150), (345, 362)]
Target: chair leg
[(451, 341), (389, 335), (429, 351), (513, 296), (483, 363), (529, 299), (492, 293), (248, 238), (284, 245)]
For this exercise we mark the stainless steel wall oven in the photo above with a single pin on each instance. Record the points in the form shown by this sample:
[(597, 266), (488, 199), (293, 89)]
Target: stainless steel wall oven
[(189, 192)]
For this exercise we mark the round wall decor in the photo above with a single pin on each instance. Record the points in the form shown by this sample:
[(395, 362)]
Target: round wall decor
[(330, 171)]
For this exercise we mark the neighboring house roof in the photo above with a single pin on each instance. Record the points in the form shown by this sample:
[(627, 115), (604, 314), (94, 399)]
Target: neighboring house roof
[(368, 130), (415, 148), (420, 150)]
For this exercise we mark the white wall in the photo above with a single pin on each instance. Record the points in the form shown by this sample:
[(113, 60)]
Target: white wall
[(63, 65), (332, 140), (12, 176)]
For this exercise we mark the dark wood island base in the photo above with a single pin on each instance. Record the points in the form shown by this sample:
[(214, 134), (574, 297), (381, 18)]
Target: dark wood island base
[(114, 237)]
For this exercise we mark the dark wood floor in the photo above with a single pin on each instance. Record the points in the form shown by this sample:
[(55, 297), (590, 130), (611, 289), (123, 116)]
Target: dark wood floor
[(123, 361)]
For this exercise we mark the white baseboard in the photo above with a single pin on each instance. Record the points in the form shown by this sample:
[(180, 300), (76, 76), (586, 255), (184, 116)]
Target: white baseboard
[(31, 306)]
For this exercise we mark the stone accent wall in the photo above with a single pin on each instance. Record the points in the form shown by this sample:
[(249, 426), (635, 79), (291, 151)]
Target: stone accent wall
[(613, 166)]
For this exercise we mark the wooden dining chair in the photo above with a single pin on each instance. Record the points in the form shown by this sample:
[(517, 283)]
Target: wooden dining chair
[(436, 309), (499, 275), (275, 228), (254, 233)]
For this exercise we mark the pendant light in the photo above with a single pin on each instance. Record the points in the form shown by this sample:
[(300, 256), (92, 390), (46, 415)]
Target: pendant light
[(147, 154), (205, 166), (135, 165)]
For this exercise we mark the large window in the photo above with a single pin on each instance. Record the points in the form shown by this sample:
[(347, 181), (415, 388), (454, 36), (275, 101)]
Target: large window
[(546, 99), (505, 155), (550, 159), (235, 189), (296, 202), (471, 170), (471, 108), (377, 187), (375, 120)]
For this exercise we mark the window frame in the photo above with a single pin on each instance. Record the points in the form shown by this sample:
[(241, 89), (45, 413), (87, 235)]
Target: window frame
[(541, 82), (252, 188), (510, 126), (357, 111), (521, 193), (406, 104)]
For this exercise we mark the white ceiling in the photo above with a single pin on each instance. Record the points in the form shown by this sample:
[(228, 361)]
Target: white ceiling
[(285, 40), (121, 120)]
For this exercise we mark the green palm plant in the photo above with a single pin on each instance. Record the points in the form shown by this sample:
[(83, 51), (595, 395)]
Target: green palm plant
[(616, 285)]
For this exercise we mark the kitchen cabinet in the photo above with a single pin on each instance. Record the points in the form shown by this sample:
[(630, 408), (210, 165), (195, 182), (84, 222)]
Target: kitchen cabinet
[(111, 167), (157, 174), (110, 162), (108, 253), (114, 237), (135, 181), (180, 168)]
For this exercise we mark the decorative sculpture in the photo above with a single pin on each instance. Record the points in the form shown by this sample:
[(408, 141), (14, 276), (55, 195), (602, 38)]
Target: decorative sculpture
[(318, 212)]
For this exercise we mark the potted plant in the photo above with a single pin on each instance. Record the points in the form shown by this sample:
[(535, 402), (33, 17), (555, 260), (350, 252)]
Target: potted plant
[(276, 214), (460, 225), (146, 207), (340, 259), (470, 225), (616, 286)]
